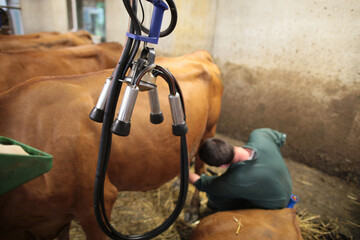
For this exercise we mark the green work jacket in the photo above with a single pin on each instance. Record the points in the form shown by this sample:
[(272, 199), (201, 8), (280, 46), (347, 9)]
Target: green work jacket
[(263, 182)]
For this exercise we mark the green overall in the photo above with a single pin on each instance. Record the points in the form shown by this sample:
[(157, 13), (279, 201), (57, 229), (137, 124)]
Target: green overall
[(263, 182)]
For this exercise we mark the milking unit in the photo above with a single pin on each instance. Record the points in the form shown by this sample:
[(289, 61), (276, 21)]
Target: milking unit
[(142, 77)]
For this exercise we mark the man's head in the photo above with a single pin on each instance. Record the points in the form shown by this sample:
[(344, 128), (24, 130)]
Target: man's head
[(216, 152)]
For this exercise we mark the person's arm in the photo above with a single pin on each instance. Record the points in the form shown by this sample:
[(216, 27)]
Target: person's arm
[(218, 186), (193, 177), (277, 137)]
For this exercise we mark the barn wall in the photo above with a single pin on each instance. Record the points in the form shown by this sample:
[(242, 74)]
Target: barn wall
[(44, 15)]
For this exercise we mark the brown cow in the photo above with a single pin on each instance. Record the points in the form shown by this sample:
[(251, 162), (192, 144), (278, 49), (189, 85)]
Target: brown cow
[(28, 36), (249, 224), (52, 114), (44, 41), (16, 67)]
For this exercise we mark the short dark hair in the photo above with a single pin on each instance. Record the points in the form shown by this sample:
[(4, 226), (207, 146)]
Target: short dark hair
[(216, 152)]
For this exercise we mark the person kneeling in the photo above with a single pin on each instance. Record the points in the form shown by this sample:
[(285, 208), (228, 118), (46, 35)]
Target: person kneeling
[(257, 176)]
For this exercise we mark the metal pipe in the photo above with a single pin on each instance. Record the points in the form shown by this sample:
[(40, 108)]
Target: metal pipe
[(154, 101), (10, 7), (128, 104), (103, 95), (176, 109), (74, 16)]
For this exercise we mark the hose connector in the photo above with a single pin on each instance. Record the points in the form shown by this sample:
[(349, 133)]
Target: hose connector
[(293, 200), (156, 116), (179, 126), (121, 125), (97, 113)]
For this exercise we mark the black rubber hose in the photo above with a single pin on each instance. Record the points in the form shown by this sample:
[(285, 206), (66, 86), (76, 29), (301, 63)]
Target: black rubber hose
[(184, 168), (171, 81), (133, 17), (105, 140)]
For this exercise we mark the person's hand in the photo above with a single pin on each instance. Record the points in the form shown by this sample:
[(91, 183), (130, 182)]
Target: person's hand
[(193, 177)]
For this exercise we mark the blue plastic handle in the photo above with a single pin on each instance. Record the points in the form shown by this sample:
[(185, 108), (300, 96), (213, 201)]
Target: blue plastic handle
[(155, 26)]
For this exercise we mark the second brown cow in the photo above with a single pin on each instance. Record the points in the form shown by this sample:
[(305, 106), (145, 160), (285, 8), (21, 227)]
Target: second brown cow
[(16, 67), (44, 40), (249, 224)]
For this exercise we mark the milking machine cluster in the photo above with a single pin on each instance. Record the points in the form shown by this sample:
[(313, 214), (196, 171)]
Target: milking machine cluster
[(142, 77)]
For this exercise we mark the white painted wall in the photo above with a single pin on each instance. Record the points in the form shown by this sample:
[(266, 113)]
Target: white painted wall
[(44, 15), (116, 21), (320, 38), (317, 38)]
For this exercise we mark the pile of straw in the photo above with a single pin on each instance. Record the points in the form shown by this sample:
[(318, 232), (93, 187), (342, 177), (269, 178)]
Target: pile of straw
[(314, 228), (140, 212)]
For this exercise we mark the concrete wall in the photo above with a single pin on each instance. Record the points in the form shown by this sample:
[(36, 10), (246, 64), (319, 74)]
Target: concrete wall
[(287, 64), (316, 38), (44, 15)]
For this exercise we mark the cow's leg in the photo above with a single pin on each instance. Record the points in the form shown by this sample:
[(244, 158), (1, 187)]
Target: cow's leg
[(87, 218), (193, 212)]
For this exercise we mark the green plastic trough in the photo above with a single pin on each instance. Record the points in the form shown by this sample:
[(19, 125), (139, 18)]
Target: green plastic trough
[(16, 170)]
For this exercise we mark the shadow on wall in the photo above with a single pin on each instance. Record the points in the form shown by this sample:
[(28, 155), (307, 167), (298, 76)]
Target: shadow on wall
[(321, 117)]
